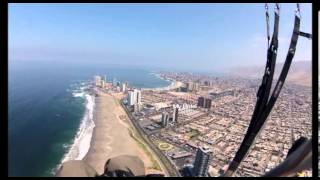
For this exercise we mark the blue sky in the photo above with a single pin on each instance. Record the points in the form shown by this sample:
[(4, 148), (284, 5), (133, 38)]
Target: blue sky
[(176, 36)]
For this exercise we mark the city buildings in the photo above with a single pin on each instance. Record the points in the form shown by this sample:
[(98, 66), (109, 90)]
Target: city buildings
[(201, 163), (207, 83), (175, 114), (134, 97), (103, 84), (137, 96), (123, 87), (200, 101), (97, 80), (165, 119), (204, 102), (137, 107), (192, 86), (224, 126), (207, 103), (131, 97), (114, 82)]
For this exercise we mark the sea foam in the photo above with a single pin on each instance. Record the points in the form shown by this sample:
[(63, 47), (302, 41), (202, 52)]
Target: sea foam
[(81, 143)]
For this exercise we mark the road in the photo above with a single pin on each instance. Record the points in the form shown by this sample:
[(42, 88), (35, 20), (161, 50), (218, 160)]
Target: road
[(165, 163)]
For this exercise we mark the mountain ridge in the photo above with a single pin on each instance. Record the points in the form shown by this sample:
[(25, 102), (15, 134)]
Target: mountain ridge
[(300, 72)]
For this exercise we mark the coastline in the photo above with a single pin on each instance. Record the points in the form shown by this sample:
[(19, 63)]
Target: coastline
[(111, 130), (174, 84), (79, 147), (108, 131)]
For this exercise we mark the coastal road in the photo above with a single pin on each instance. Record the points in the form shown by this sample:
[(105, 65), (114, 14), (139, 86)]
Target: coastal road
[(165, 163)]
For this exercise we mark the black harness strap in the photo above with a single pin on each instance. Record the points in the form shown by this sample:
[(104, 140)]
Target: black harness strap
[(282, 77), (307, 35), (263, 113), (264, 89), (267, 22), (263, 92), (269, 71)]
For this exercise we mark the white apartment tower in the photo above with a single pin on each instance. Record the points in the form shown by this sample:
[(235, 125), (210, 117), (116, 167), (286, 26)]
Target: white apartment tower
[(131, 98), (123, 87), (97, 80), (134, 97), (165, 119), (137, 96), (175, 114)]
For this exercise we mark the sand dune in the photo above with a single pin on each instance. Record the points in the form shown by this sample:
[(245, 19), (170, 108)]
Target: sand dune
[(299, 73)]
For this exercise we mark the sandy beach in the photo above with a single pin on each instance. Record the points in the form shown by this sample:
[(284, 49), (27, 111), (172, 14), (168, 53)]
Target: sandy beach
[(112, 135)]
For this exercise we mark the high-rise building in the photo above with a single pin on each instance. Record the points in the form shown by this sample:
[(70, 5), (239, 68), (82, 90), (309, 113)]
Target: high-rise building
[(97, 80), (131, 97), (175, 114), (196, 86), (103, 84), (182, 89), (137, 96), (201, 163), (165, 119), (114, 82), (187, 171), (190, 86), (193, 86), (204, 102), (134, 97), (207, 103), (207, 83), (200, 101), (137, 107), (123, 87)]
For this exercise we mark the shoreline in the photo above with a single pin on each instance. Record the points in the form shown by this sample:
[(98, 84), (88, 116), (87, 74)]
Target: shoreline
[(173, 85), (95, 144), (111, 130), (78, 148)]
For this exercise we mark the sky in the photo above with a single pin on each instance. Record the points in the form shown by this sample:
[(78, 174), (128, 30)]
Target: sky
[(200, 37)]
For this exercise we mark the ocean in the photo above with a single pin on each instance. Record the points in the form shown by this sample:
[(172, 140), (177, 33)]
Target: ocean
[(50, 114)]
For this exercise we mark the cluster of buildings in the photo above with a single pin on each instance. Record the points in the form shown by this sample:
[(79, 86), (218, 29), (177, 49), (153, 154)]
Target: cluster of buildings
[(134, 100), (214, 113), (192, 86), (217, 117), (172, 118), (114, 85), (204, 102)]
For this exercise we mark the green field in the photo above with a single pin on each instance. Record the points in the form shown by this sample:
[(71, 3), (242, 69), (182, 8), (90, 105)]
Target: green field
[(193, 134)]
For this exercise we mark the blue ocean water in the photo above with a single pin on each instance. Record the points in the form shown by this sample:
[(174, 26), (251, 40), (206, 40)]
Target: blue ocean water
[(47, 106)]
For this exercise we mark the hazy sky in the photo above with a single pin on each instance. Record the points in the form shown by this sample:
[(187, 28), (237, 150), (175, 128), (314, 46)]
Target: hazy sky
[(179, 36)]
